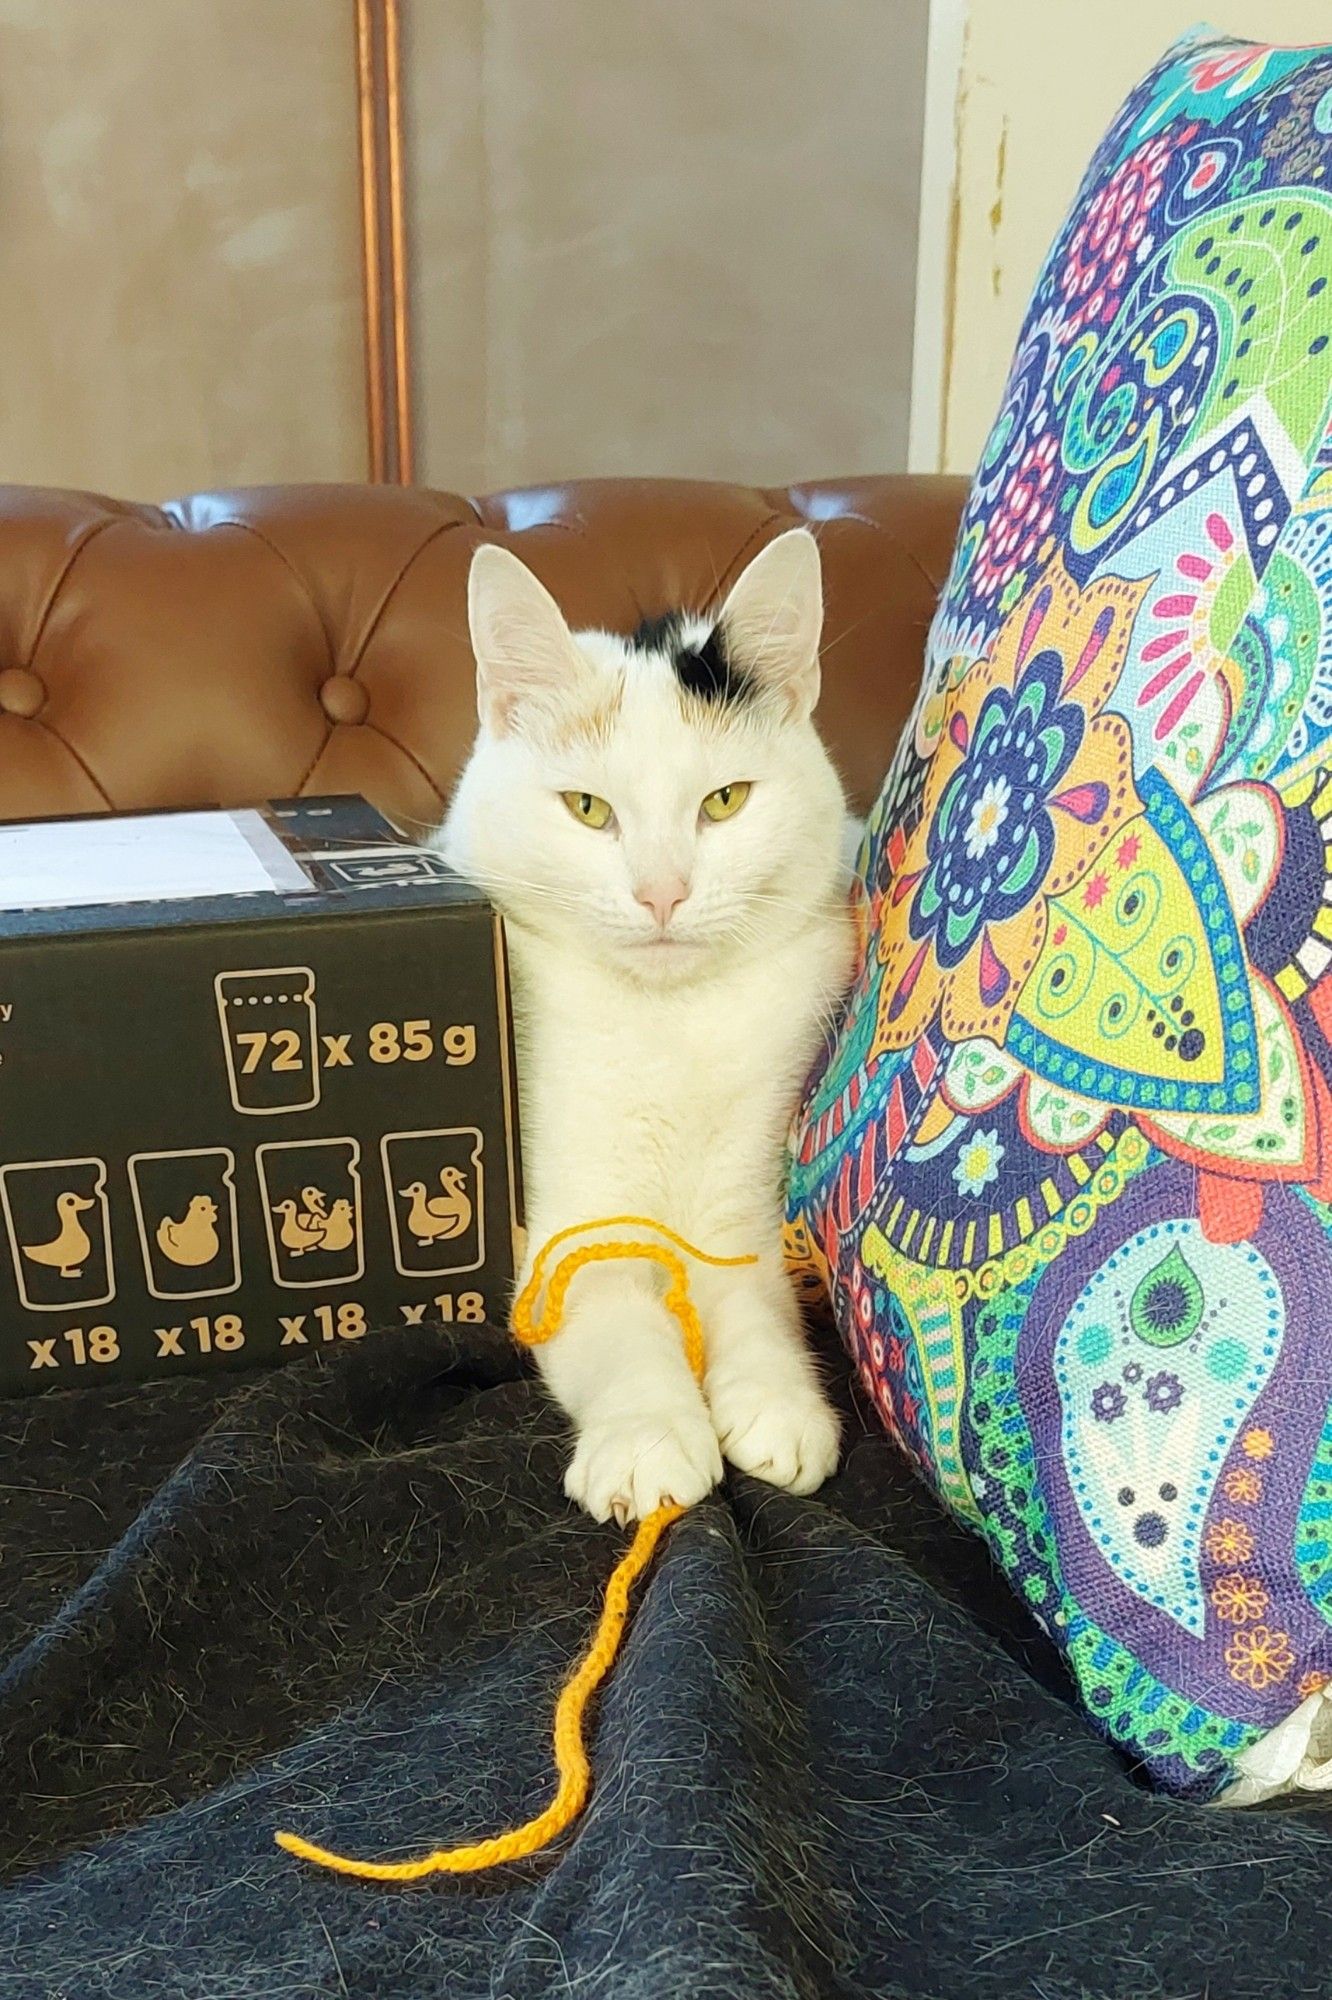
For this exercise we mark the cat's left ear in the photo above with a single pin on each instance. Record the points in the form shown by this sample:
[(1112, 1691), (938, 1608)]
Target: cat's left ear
[(773, 618), (526, 659)]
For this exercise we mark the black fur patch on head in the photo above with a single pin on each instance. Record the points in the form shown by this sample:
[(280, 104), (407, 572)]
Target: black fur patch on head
[(658, 635), (705, 670)]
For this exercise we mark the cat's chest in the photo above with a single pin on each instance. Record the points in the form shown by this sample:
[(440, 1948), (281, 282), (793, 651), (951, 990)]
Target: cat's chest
[(674, 1105), (644, 1054), (662, 1065)]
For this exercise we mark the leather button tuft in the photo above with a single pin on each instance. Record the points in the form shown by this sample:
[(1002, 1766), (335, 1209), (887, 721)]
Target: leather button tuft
[(21, 693), (342, 699)]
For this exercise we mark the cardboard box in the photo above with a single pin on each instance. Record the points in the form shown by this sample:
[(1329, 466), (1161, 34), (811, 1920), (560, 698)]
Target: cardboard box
[(256, 1092)]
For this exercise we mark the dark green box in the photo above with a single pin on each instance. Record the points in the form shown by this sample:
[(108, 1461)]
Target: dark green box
[(236, 1127)]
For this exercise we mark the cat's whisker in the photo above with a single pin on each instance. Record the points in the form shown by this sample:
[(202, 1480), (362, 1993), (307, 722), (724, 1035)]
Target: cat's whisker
[(409, 821), (534, 893)]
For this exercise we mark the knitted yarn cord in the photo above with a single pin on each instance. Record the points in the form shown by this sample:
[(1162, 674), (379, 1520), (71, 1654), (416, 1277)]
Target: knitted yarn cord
[(573, 1771)]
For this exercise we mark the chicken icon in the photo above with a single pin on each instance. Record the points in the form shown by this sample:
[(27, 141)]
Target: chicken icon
[(438, 1218), (71, 1246), (193, 1240)]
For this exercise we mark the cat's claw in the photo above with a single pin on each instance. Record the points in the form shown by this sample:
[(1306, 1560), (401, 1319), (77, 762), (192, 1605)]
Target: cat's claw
[(624, 1467), (782, 1432)]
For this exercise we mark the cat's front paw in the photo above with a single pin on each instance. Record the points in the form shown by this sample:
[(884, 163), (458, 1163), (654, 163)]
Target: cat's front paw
[(778, 1430), (627, 1465)]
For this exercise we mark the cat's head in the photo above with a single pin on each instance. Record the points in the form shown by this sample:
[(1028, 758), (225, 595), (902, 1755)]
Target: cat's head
[(660, 800)]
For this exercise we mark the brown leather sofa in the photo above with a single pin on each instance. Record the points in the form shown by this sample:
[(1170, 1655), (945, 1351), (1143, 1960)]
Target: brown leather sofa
[(232, 647)]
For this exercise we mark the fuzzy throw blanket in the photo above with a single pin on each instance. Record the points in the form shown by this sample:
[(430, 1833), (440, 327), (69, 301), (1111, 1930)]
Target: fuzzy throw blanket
[(833, 1760)]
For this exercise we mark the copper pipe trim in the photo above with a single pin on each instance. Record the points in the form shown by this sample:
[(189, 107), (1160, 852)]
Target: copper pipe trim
[(402, 383), (370, 244)]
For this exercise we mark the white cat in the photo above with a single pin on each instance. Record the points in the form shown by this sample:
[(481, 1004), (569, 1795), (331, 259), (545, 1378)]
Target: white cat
[(664, 834)]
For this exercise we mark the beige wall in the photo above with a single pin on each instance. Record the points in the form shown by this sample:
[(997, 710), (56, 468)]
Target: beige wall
[(662, 236), (670, 236), (665, 236), (1041, 80), (179, 247)]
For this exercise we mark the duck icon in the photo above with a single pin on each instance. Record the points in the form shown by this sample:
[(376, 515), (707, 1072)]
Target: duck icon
[(438, 1218), (193, 1240), (71, 1246), (302, 1228)]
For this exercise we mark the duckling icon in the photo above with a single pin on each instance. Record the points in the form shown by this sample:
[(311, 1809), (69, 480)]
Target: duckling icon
[(339, 1226), (438, 1218), (71, 1246), (193, 1240)]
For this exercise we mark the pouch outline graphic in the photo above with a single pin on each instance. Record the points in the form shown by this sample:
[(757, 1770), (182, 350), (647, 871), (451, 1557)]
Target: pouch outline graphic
[(71, 1304), (228, 1181), (304, 972), (388, 866), (354, 1171), (392, 1195)]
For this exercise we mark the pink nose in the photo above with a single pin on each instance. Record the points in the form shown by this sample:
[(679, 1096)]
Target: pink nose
[(663, 897)]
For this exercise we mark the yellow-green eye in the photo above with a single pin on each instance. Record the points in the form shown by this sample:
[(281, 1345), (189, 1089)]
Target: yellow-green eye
[(726, 801), (587, 807)]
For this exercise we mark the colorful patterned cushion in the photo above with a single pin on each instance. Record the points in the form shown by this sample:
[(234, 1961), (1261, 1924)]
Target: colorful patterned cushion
[(1067, 1170)]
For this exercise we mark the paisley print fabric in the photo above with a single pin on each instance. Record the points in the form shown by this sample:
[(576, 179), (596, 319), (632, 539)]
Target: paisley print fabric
[(1066, 1171)]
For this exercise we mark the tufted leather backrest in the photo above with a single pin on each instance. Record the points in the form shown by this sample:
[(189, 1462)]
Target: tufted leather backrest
[(239, 646)]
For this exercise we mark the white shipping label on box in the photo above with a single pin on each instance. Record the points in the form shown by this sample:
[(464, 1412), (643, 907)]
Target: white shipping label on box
[(161, 857)]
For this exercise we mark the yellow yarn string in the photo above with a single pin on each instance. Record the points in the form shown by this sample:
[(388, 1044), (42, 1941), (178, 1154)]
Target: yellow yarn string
[(573, 1771)]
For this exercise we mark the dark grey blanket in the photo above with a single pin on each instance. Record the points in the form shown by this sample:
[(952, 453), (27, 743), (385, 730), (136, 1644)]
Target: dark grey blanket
[(833, 1760)]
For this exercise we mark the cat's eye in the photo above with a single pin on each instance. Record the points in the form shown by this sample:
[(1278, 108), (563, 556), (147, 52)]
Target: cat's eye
[(726, 801), (587, 807)]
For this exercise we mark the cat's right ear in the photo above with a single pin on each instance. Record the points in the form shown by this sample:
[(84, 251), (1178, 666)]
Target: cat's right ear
[(526, 658)]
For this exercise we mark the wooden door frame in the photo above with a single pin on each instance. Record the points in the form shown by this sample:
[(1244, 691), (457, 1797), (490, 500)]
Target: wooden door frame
[(384, 249), (936, 240)]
